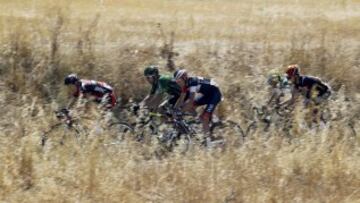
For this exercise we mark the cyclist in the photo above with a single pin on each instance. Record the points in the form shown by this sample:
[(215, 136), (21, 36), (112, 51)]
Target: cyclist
[(100, 91), (161, 84), (313, 88), (210, 96), (278, 84)]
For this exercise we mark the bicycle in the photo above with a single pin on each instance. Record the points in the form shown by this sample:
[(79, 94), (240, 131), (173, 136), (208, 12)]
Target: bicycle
[(191, 128), (266, 115), (68, 122), (114, 125), (169, 127), (120, 129)]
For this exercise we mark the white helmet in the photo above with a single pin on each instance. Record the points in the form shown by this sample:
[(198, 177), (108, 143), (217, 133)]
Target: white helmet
[(179, 74)]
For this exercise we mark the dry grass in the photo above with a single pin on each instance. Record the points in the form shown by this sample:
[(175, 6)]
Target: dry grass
[(235, 42)]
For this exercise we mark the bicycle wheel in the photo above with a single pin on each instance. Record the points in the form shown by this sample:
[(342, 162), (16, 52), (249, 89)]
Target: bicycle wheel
[(171, 139), (189, 131), (168, 138), (185, 143), (60, 134), (119, 130), (228, 131)]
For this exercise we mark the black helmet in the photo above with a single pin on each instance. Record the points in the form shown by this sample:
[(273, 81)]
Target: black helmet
[(151, 71), (71, 79)]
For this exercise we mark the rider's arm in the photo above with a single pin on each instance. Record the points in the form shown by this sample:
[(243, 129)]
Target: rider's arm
[(180, 101), (184, 92), (71, 103), (146, 100), (77, 98), (155, 101), (74, 98), (152, 100), (311, 94), (190, 100)]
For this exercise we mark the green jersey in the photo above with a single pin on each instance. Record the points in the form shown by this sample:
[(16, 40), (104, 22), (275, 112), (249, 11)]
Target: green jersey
[(165, 84)]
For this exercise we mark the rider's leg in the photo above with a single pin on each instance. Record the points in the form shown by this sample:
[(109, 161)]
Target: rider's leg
[(320, 102), (210, 108), (104, 101), (191, 108), (200, 100), (108, 102), (322, 97), (205, 119)]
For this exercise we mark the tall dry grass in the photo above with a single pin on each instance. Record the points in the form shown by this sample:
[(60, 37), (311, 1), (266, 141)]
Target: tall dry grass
[(235, 42)]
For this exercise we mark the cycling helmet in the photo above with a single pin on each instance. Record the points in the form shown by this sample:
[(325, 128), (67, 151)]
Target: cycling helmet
[(71, 79), (293, 70), (274, 79), (151, 71), (179, 74)]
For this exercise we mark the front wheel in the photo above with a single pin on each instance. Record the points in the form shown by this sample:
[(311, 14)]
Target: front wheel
[(230, 132)]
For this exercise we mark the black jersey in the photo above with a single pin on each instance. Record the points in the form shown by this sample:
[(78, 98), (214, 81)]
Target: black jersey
[(201, 85), (94, 88), (309, 83)]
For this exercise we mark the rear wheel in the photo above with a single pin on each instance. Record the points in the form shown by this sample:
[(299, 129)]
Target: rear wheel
[(119, 131)]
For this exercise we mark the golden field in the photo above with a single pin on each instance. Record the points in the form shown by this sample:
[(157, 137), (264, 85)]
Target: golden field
[(236, 42)]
